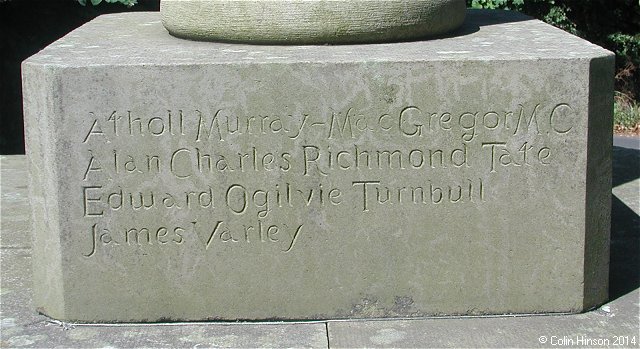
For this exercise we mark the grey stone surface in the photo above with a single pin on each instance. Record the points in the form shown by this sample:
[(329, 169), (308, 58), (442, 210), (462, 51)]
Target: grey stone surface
[(21, 327), (612, 325), (625, 225), (311, 21), (630, 142), (15, 204), (480, 192), (625, 192)]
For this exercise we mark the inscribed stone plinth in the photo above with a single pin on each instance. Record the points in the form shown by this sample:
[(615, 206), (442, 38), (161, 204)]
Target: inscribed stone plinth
[(178, 180)]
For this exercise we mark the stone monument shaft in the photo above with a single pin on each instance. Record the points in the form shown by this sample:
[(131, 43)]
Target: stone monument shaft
[(311, 21)]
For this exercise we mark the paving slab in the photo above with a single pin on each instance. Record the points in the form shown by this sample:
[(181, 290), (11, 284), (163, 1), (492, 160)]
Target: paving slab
[(14, 206), (608, 326), (626, 171), (624, 141), (625, 193), (625, 222)]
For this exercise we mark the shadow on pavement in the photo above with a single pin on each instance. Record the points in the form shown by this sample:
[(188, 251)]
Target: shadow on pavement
[(626, 165), (624, 265)]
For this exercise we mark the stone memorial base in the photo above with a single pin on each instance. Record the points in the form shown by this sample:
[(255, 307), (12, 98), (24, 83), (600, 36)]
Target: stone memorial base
[(177, 180)]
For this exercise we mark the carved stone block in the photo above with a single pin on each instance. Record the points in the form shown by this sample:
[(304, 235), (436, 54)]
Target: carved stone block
[(178, 180)]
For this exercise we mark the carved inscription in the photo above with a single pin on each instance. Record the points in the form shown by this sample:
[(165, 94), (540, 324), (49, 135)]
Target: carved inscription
[(203, 167)]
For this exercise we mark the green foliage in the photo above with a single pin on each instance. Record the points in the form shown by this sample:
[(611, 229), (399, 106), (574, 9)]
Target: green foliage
[(626, 113), (625, 45), (128, 3), (558, 16), (496, 4), (550, 11)]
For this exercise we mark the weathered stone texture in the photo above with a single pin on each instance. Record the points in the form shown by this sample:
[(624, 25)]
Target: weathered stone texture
[(311, 21), (189, 180)]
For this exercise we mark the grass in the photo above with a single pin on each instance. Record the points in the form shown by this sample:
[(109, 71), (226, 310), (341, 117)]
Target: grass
[(626, 114)]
